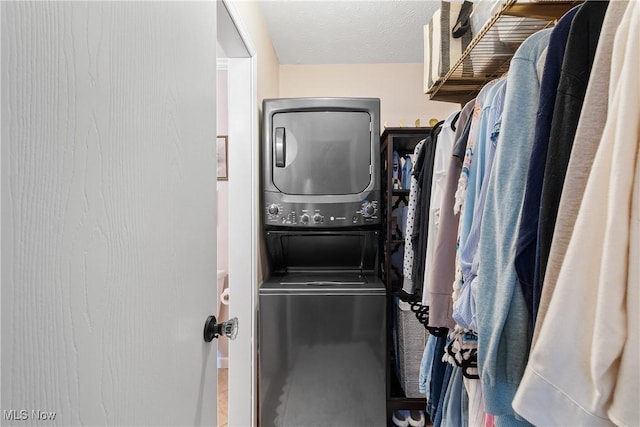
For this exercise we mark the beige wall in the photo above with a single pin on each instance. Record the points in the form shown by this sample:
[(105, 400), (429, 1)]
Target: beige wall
[(399, 87), (268, 65)]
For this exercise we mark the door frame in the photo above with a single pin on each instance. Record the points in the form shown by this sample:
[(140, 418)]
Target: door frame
[(243, 211)]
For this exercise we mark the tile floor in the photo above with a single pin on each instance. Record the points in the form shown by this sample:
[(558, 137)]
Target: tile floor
[(223, 396)]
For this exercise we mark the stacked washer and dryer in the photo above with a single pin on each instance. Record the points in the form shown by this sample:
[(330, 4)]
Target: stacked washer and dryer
[(322, 348)]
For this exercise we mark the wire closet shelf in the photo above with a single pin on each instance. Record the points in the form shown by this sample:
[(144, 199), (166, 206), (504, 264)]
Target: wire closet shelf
[(488, 55)]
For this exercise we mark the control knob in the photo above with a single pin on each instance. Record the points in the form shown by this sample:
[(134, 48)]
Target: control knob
[(317, 218), (304, 218), (368, 209), (273, 209)]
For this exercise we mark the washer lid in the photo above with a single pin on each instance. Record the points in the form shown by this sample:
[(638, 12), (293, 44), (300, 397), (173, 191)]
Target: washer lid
[(329, 283)]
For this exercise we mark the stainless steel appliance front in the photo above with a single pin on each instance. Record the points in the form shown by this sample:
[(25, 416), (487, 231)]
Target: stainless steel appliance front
[(321, 162), (322, 312), (321, 350)]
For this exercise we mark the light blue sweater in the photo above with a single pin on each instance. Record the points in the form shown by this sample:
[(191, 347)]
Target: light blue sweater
[(503, 326), (466, 315)]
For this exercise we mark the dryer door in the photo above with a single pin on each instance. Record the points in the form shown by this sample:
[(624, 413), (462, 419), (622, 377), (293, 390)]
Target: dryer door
[(321, 152)]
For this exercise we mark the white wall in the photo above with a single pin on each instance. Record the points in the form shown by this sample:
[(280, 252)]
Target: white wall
[(268, 70), (399, 87)]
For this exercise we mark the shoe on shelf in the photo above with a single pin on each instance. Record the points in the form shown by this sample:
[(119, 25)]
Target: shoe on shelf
[(401, 418), (416, 419)]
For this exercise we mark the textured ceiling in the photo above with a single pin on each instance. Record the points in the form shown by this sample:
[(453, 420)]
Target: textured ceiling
[(348, 31)]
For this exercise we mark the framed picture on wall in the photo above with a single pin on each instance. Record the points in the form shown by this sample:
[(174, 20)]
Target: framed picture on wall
[(222, 146)]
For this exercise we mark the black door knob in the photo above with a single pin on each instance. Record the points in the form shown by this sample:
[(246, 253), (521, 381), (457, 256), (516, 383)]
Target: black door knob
[(213, 329)]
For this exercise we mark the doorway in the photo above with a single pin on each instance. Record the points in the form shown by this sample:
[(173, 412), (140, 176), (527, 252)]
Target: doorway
[(222, 226), (238, 216)]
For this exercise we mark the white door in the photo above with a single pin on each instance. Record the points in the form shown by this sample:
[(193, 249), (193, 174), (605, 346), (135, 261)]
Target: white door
[(108, 212)]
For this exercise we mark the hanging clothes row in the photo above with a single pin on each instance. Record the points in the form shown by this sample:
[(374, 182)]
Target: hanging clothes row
[(525, 234)]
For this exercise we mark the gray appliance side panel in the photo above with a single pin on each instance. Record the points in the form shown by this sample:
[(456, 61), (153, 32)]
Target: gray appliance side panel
[(322, 360)]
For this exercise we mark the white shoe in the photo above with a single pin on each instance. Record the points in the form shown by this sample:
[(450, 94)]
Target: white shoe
[(401, 418), (416, 419)]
